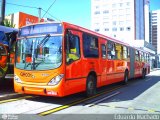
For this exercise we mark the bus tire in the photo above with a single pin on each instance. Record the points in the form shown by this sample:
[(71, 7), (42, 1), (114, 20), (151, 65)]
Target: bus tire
[(90, 86), (125, 81), (143, 74)]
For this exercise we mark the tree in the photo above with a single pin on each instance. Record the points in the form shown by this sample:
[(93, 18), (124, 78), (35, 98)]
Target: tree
[(7, 23)]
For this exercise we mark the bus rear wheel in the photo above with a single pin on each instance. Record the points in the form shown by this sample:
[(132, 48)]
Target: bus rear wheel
[(90, 86), (143, 74), (125, 81)]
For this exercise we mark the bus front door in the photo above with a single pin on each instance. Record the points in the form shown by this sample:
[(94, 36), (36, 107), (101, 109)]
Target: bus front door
[(74, 82)]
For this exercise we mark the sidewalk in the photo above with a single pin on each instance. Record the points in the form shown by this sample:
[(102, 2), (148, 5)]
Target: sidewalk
[(154, 69)]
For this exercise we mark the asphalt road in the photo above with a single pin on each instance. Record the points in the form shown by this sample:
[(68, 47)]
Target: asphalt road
[(139, 97)]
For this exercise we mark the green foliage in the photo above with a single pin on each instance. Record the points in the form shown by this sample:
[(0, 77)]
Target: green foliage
[(8, 23)]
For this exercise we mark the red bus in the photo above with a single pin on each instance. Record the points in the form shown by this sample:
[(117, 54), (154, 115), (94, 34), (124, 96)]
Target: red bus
[(7, 50), (59, 59)]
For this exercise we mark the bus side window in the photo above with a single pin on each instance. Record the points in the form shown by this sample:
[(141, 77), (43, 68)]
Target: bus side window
[(119, 51), (143, 57), (137, 56), (90, 46), (124, 52), (73, 48), (128, 53), (3, 38), (103, 50), (111, 50)]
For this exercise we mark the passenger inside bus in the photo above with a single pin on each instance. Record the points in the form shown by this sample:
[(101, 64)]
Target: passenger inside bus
[(73, 54), (73, 49)]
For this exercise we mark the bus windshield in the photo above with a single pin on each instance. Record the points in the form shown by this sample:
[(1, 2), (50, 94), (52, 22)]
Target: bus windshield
[(3, 38), (39, 53)]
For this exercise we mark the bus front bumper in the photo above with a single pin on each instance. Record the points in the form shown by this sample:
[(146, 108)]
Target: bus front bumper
[(38, 90)]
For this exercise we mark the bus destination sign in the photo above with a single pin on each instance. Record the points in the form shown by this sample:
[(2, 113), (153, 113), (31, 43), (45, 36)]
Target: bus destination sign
[(50, 28)]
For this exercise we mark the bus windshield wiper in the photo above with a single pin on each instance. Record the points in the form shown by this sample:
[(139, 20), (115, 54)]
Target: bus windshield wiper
[(44, 40), (34, 65)]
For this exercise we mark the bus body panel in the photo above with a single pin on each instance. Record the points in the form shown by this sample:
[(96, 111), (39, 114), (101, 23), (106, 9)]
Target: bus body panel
[(38, 76), (132, 61), (75, 81), (116, 70), (40, 89), (102, 64), (34, 82)]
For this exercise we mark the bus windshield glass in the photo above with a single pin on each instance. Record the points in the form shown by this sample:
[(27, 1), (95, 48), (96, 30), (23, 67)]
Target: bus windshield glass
[(39, 53), (3, 38)]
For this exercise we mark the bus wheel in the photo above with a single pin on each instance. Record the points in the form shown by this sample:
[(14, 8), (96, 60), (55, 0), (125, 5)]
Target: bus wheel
[(125, 81), (90, 86), (143, 73)]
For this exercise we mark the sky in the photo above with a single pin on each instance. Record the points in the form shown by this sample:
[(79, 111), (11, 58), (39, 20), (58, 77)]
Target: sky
[(74, 11)]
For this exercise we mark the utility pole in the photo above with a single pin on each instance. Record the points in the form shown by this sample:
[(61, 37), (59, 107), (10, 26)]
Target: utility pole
[(3, 11), (39, 12)]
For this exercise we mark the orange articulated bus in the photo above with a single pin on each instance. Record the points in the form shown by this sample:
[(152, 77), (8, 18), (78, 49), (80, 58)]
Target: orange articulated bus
[(7, 50), (59, 59)]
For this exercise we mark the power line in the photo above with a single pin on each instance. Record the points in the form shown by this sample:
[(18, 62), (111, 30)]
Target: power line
[(22, 5), (51, 15), (49, 7), (46, 12)]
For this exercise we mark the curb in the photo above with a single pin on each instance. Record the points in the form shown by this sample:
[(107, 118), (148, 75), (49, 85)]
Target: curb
[(154, 69)]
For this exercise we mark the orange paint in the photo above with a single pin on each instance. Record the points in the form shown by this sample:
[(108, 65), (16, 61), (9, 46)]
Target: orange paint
[(106, 70)]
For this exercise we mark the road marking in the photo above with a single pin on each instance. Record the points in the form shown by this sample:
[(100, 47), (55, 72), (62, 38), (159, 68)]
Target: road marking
[(15, 99), (105, 98), (112, 106), (130, 108), (152, 111), (47, 112)]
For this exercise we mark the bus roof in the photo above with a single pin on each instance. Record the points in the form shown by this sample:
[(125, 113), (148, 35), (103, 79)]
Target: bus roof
[(7, 29)]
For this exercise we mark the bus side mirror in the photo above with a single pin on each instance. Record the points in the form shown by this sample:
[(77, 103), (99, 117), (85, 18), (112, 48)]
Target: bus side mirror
[(70, 42), (70, 39)]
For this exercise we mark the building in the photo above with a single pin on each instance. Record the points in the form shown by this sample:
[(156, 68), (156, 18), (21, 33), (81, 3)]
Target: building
[(20, 19), (125, 20), (155, 21)]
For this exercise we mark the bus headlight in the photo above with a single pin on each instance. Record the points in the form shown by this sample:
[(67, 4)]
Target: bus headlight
[(56, 79), (17, 79)]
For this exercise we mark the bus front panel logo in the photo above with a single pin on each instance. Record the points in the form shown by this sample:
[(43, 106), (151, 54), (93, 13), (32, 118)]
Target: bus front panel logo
[(24, 74)]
